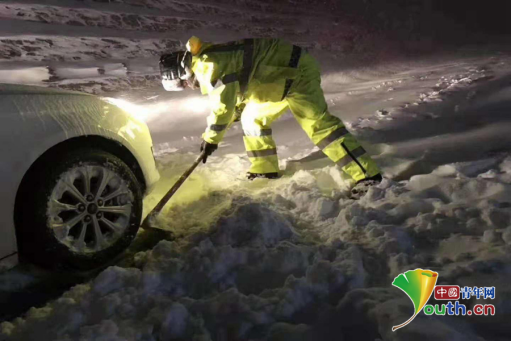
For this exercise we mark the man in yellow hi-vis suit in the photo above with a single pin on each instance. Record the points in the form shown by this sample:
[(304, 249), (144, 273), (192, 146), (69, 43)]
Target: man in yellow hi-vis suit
[(265, 77)]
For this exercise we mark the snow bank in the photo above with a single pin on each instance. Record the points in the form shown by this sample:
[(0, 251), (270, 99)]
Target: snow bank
[(288, 260), (31, 75)]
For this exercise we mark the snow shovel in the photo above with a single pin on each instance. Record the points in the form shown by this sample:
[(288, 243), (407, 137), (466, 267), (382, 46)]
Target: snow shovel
[(154, 212)]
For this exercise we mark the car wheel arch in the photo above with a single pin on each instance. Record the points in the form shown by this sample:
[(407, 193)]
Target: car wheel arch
[(92, 141)]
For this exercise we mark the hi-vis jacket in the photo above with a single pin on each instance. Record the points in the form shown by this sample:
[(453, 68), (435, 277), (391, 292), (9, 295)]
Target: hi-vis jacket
[(270, 76), (251, 70)]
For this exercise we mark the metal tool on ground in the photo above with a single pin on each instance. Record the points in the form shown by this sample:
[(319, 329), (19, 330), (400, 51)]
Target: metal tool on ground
[(156, 210)]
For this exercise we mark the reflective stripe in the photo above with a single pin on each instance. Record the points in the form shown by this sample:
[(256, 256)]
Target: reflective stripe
[(247, 64), (332, 137), (232, 77), (359, 151), (294, 62), (355, 154), (262, 132), (218, 127), (260, 153), (248, 48)]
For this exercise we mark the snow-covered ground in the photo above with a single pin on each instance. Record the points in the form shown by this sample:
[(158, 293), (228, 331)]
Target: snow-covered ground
[(293, 258)]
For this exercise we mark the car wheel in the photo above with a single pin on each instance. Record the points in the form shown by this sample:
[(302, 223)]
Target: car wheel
[(80, 209)]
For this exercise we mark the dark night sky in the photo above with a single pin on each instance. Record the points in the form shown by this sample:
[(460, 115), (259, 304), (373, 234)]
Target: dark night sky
[(491, 17), (486, 17)]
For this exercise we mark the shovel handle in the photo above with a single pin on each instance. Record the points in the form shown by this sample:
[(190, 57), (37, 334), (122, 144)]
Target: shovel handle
[(173, 190)]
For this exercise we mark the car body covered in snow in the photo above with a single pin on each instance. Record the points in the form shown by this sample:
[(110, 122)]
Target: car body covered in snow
[(73, 174)]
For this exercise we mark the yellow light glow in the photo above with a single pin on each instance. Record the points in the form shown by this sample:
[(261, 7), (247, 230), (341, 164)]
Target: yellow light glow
[(176, 109), (138, 111), (196, 104)]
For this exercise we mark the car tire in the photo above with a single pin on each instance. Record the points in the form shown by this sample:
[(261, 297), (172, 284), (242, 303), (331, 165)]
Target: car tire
[(61, 219)]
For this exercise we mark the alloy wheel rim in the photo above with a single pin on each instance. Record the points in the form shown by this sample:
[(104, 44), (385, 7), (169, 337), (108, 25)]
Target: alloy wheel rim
[(89, 208)]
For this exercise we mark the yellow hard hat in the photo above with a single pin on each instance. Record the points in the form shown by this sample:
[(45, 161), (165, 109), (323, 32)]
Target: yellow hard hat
[(194, 45)]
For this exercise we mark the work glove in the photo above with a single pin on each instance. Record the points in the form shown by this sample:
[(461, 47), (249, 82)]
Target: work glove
[(209, 148)]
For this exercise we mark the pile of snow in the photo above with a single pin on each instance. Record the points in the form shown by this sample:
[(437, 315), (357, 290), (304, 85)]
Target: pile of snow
[(31, 75), (294, 259)]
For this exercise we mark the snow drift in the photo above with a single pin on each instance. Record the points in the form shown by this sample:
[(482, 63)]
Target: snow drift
[(284, 260)]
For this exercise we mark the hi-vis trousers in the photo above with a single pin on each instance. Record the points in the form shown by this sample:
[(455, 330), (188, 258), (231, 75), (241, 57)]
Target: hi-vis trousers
[(307, 104)]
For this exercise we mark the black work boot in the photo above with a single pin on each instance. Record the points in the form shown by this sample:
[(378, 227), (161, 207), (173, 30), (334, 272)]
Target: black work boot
[(252, 176), (362, 186)]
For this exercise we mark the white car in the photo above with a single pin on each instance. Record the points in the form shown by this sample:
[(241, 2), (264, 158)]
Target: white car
[(73, 173)]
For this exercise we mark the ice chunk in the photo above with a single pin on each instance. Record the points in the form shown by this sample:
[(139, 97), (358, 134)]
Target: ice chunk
[(252, 224), (115, 278), (505, 165), (324, 208), (490, 236), (174, 323), (421, 182)]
